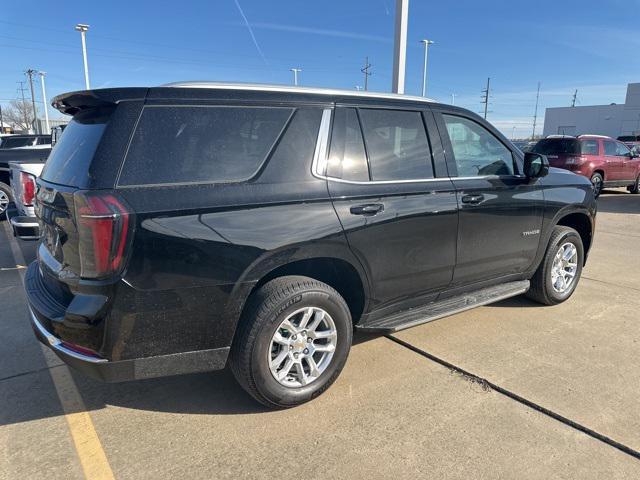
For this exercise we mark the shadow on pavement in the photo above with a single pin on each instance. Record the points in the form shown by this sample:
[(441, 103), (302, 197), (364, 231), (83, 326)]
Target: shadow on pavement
[(619, 201)]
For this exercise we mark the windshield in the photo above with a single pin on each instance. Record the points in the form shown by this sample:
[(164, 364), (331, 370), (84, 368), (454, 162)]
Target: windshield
[(557, 146), (71, 156)]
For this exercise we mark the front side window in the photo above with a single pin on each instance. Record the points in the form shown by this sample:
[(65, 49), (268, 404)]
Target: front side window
[(622, 150), (397, 145), (477, 152), (347, 158), (610, 149), (201, 144)]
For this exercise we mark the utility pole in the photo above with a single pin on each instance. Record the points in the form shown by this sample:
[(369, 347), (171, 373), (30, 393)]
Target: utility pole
[(1, 121), (513, 132), (535, 114), (295, 71), (400, 46), (575, 97), (44, 101), (30, 73), (424, 68), (486, 93), (366, 72), (82, 28), (24, 104), (453, 99)]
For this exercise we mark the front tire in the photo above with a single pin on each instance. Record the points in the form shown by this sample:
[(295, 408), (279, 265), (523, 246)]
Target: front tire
[(559, 273), (292, 342), (597, 181)]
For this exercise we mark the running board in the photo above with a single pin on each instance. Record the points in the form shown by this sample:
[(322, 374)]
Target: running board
[(444, 308)]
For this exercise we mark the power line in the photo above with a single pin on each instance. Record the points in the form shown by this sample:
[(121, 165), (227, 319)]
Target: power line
[(367, 74)]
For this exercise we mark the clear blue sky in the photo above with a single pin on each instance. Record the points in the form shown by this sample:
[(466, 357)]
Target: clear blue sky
[(569, 44)]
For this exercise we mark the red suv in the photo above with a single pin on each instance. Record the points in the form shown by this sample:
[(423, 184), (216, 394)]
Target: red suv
[(607, 162)]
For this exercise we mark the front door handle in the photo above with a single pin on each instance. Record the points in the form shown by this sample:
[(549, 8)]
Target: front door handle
[(367, 210), (473, 199)]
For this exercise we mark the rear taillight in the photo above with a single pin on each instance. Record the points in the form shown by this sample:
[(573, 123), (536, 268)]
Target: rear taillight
[(28, 186), (105, 229)]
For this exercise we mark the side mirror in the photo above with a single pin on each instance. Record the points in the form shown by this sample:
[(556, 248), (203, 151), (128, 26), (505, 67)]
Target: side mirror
[(535, 165)]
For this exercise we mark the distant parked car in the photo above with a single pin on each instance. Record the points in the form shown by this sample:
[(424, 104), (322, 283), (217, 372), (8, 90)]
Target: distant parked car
[(23, 182), (607, 162), (16, 141), (31, 155), (630, 140)]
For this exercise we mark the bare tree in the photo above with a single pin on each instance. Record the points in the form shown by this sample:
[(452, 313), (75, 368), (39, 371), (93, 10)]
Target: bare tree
[(19, 114)]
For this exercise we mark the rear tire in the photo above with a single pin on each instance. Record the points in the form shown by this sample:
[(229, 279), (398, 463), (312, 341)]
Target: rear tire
[(597, 181), (273, 335), (546, 285), (635, 188), (6, 196)]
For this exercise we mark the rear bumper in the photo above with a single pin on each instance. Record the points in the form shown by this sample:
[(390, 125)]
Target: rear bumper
[(114, 371), (24, 224)]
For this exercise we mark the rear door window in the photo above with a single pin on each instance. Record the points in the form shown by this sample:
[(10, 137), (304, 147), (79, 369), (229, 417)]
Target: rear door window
[(68, 163), (347, 157), (201, 144), (557, 146), (589, 147), (397, 145)]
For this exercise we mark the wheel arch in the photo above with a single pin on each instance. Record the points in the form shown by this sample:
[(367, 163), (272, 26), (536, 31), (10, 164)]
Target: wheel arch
[(581, 222)]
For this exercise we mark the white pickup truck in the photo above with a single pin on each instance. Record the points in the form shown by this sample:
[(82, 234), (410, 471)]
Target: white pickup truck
[(22, 216)]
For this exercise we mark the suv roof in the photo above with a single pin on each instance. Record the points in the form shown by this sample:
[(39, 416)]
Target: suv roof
[(594, 136), (72, 102)]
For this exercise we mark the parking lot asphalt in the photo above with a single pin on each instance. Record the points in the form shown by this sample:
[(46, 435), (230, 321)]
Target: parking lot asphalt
[(511, 390)]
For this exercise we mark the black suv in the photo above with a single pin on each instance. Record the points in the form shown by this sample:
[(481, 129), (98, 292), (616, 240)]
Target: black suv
[(195, 224)]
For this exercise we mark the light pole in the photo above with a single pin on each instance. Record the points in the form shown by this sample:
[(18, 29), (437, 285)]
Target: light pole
[(453, 99), (400, 46), (82, 28), (44, 100), (295, 71), (424, 68), (513, 132)]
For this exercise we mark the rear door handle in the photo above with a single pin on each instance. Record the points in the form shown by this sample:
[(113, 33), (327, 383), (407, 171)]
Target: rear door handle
[(367, 210), (473, 199)]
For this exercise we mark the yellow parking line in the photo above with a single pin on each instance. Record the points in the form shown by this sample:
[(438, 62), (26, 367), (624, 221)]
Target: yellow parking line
[(93, 460)]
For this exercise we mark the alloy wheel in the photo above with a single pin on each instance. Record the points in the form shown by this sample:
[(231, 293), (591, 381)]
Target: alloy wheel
[(564, 267), (302, 347), (4, 201)]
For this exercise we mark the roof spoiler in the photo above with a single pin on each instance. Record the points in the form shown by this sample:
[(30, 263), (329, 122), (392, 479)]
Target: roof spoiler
[(73, 102)]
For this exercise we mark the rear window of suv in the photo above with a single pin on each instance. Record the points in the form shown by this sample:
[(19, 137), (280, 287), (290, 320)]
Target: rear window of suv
[(557, 146), (201, 144), (68, 163)]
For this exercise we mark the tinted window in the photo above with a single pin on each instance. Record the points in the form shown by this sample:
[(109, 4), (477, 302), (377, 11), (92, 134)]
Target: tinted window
[(10, 142), (201, 144), (347, 158), (44, 140), (610, 148), (629, 138), (68, 163), (397, 145), (589, 147), (477, 151), (557, 146), (622, 150)]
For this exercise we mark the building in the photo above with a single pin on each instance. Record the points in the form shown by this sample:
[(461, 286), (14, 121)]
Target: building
[(611, 120)]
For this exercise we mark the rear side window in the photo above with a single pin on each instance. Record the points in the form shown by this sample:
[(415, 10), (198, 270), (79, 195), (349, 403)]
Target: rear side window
[(347, 158), (68, 163), (397, 145), (589, 147), (557, 146), (610, 148), (201, 144)]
